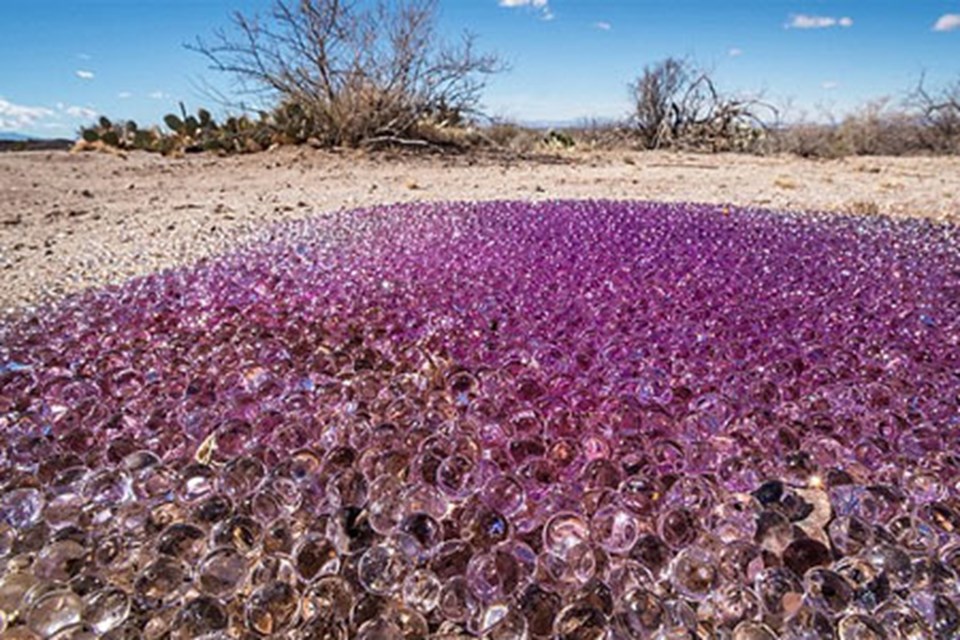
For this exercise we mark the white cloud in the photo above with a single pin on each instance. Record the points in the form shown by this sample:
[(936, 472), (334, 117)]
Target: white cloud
[(804, 21), (83, 113), (84, 75), (603, 26), (735, 52), (158, 95), (16, 116), (542, 6), (947, 22), (124, 95), (830, 84)]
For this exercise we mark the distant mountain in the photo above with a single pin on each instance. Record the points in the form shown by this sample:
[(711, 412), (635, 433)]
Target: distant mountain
[(14, 136)]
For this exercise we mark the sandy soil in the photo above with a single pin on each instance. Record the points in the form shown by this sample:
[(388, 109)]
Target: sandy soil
[(72, 221)]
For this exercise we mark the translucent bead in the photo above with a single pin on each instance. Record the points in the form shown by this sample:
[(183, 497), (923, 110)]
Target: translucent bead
[(222, 572), (774, 531), (850, 535), (456, 477), (753, 631), (678, 528), (499, 621), (639, 614), (243, 533), (53, 612), (382, 569), (197, 481), (563, 532), (615, 529), (315, 557), (60, 560), (732, 603), (827, 590), (450, 559), (893, 561), (804, 554), (576, 566), (503, 494), (348, 488), (693, 573), (651, 552), (780, 592), (385, 505), (279, 536), (201, 617), (379, 630), (494, 575), (484, 527), (808, 623), (859, 627), (106, 609), (540, 608), (625, 575), (241, 476), (64, 509), (273, 608), (457, 602), (275, 568), (424, 498), (161, 579), (330, 597), (184, 541), (21, 508), (320, 628), (580, 622), (421, 590), (423, 528), (410, 622), (14, 587), (734, 518)]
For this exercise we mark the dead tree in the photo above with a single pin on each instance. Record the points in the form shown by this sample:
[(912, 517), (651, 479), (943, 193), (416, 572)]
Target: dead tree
[(360, 72)]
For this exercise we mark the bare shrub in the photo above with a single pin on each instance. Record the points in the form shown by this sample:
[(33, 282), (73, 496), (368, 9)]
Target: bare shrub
[(511, 137), (939, 113), (926, 121), (602, 135), (677, 105), (808, 140), (878, 129), (361, 73)]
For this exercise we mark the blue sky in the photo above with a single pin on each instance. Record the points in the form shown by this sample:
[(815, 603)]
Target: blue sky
[(66, 60)]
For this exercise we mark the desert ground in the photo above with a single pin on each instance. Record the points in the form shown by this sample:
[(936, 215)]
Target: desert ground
[(72, 221)]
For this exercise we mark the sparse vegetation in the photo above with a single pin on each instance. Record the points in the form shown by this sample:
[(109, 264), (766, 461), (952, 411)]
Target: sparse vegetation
[(924, 122), (413, 91), (186, 133)]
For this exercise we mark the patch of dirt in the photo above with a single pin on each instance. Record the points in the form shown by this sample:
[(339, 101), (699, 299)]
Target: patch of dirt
[(70, 221)]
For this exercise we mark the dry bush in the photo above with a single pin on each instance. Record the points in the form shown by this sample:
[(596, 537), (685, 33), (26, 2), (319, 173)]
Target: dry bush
[(939, 113), (808, 140), (877, 129), (513, 137), (362, 73), (677, 105), (927, 121), (602, 135), (874, 129)]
